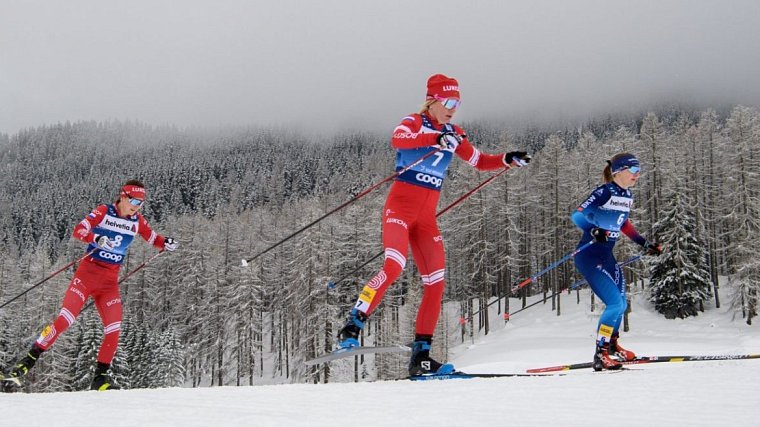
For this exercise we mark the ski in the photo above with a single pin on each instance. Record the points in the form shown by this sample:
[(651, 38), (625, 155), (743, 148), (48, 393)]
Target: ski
[(648, 359), (9, 384), (10, 379), (355, 351), (457, 375)]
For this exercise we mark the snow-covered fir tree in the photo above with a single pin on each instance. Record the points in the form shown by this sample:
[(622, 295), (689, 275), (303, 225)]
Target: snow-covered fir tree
[(229, 194), (680, 280)]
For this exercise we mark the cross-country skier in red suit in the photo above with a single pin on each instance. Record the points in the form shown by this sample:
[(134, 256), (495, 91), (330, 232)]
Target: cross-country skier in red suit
[(409, 215), (109, 230)]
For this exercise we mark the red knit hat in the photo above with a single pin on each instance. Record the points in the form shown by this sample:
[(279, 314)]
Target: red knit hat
[(441, 86), (133, 192)]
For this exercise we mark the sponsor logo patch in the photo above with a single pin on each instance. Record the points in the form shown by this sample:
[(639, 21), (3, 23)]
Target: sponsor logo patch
[(587, 202), (405, 135), (396, 221), (428, 179), (617, 203), (118, 225), (110, 256), (605, 330), (46, 335), (47, 331), (78, 293), (367, 295)]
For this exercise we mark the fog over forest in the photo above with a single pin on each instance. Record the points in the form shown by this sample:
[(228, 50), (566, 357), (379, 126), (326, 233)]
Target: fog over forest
[(249, 120), (333, 65)]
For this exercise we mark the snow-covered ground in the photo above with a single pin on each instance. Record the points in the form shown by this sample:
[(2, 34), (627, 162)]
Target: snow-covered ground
[(695, 393)]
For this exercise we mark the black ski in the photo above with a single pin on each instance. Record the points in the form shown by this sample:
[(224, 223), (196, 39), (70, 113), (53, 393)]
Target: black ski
[(647, 359)]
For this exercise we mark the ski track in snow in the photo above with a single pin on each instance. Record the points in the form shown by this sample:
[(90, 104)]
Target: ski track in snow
[(691, 393)]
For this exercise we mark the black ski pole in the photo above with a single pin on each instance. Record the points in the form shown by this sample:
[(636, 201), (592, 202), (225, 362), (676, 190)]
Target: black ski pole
[(357, 197), (48, 277)]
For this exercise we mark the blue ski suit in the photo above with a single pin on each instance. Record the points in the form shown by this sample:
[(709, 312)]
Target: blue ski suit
[(607, 208)]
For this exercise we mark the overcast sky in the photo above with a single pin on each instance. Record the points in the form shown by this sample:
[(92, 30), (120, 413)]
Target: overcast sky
[(330, 64)]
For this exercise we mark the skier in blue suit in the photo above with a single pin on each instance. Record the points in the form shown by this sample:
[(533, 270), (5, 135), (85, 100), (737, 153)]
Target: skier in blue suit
[(602, 217)]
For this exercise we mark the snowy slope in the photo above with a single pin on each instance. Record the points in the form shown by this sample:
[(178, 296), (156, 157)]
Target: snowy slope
[(698, 393)]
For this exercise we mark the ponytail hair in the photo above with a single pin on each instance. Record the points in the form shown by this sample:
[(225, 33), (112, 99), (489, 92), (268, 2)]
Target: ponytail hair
[(607, 172)]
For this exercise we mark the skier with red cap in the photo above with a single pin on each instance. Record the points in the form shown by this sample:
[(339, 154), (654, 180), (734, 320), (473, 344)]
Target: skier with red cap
[(409, 215), (109, 230)]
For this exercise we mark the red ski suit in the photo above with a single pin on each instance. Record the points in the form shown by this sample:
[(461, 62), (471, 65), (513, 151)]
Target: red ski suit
[(99, 278), (409, 215)]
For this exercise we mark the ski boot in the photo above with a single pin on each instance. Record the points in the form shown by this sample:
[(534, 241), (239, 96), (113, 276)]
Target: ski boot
[(348, 336), (618, 351), (23, 366), (602, 359), (422, 363), (14, 378), (102, 381)]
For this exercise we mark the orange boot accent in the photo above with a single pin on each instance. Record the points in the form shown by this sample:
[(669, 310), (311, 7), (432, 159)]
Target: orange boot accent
[(619, 352)]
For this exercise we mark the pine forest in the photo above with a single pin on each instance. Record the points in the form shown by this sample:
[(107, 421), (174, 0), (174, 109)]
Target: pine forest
[(197, 317)]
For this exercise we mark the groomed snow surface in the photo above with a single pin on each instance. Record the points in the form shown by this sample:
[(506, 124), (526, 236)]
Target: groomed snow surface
[(714, 393)]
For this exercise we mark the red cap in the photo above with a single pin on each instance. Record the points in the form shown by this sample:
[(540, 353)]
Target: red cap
[(441, 86), (133, 192)]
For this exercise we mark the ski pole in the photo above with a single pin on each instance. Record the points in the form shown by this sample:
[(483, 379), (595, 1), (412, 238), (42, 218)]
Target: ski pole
[(49, 277), (571, 287), (622, 264), (140, 267), (471, 192), (357, 197), (332, 285), (532, 279)]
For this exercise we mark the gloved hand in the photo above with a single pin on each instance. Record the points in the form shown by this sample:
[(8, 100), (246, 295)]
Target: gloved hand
[(652, 248), (103, 242), (598, 234), (170, 244), (517, 159), (449, 141)]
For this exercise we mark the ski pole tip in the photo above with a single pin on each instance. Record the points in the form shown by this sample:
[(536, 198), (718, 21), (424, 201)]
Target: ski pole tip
[(244, 263)]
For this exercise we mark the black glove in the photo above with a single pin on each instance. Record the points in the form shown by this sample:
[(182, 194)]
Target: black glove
[(516, 158), (449, 141), (652, 248), (170, 244), (599, 235)]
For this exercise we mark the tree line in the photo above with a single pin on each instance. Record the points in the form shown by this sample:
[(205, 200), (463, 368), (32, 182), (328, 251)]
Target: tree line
[(196, 317)]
